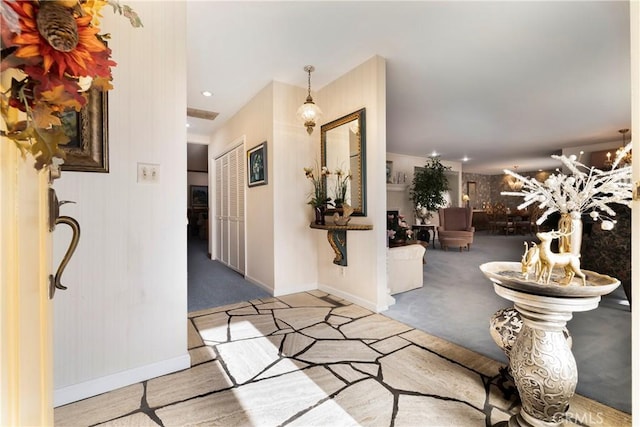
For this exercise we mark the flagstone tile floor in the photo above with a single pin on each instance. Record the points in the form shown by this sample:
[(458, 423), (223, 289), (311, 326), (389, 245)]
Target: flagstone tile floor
[(312, 359)]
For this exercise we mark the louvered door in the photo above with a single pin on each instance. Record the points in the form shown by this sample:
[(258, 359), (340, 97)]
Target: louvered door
[(230, 208)]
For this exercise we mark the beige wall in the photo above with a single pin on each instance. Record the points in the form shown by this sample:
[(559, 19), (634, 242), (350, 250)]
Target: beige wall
[(254, 123), (635, 208), (295, 252), (284, 255), (123, 318), (280, 254), (364, 279)]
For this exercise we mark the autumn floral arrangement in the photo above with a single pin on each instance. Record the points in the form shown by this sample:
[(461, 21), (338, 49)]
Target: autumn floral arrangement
[(54, 54)]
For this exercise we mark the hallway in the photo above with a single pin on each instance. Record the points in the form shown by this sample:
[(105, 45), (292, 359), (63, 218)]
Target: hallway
[(212, 284)]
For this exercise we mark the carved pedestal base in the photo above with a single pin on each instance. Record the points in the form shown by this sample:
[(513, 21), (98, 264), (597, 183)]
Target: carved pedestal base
[(541, 362), (337, 237)]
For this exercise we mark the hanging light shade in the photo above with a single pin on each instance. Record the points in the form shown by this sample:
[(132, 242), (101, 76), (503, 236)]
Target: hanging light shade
[(309, 112)]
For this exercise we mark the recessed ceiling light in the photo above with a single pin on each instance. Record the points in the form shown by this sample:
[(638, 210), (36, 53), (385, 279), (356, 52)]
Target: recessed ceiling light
[(434, 153), (206, 93), (465, 159), (188, 125)]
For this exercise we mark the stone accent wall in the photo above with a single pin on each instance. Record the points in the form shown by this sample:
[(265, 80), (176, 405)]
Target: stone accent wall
[(609, 252)]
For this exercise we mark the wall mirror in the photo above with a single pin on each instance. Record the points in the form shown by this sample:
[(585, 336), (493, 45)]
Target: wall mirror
[(343, 148)]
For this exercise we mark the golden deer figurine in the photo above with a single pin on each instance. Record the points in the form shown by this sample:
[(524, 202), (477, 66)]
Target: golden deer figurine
[(549, 259), (531, 260)]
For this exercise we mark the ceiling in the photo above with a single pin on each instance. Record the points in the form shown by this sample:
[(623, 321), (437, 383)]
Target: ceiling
[(504, 83)]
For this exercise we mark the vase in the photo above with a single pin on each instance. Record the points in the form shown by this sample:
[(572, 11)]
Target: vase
[(319, 213), (573, 228)]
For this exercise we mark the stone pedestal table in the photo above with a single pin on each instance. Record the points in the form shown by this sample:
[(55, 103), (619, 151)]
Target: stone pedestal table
[(541, 361)]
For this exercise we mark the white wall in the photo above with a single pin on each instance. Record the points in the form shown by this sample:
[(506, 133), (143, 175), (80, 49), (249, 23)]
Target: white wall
[(405, 165), (123, 318), (364, 280)]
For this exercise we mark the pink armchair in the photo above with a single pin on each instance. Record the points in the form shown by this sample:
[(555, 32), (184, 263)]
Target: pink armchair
[(455, 228)]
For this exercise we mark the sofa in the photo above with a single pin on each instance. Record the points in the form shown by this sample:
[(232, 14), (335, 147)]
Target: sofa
[(405, 268)]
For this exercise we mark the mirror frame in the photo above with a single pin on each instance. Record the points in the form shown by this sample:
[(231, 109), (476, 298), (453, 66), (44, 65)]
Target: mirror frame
[(360, 116)]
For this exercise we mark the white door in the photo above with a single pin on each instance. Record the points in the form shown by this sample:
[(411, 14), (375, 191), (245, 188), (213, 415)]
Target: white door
[(230, 208), (26, 358)]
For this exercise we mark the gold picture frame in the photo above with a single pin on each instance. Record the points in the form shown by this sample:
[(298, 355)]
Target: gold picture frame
[(88, 148)]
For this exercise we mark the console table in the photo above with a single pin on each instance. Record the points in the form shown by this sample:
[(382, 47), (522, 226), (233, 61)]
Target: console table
[(337, 236), (421, 229)]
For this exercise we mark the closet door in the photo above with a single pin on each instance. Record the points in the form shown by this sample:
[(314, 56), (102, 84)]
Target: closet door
[(240, 198), (218, 212), (224, 236), (233, 209), (230, 208)]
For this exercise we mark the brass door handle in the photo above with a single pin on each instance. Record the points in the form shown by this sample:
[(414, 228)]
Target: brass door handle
[(54, 219)]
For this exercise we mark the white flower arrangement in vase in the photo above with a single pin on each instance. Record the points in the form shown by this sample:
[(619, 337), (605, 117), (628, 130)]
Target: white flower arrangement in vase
[(586, 190)]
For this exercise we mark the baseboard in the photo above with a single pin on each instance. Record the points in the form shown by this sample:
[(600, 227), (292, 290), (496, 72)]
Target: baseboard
[(296, 289), (352, 298), (91, 388), (258, 283)]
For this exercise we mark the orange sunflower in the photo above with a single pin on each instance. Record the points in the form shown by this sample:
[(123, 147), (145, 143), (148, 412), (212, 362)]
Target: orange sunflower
[(89, 57)]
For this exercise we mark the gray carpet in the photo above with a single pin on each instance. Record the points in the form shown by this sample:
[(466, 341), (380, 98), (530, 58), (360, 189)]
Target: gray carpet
[(212, 284), (456, 303)]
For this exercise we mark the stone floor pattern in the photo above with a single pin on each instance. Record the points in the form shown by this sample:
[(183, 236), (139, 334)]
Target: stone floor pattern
[(312, 359)]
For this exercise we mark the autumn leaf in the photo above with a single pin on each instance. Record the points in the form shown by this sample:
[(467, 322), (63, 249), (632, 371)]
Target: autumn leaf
[(43, 116), (62, 98), (101, 83), (46, 145)]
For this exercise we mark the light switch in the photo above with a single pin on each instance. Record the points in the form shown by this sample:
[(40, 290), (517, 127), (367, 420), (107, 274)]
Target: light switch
[(148, 173)]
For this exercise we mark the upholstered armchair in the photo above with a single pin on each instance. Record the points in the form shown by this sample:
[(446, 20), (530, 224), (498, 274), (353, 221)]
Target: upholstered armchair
[(455, 227)]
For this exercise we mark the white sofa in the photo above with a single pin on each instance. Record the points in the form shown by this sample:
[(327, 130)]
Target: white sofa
[(405, 268)]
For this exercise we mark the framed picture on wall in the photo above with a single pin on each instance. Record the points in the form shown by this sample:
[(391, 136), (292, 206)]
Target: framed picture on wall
[(88, 147), (199, 196), (257, 165), (389, 171)]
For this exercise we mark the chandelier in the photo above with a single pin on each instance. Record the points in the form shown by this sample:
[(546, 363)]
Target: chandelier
[(624, 157), (514, 183), (309, 112)]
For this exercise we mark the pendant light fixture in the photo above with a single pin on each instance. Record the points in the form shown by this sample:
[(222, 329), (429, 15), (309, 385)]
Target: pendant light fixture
[(309, 112)]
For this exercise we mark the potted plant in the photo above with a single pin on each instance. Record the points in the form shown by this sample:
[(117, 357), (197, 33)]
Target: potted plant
[(429, 186), (398, 231), (341, 187), (318, 198)]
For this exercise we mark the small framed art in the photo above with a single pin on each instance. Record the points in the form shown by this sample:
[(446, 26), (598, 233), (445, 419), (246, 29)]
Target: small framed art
[(199, 196), (257, 165)]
